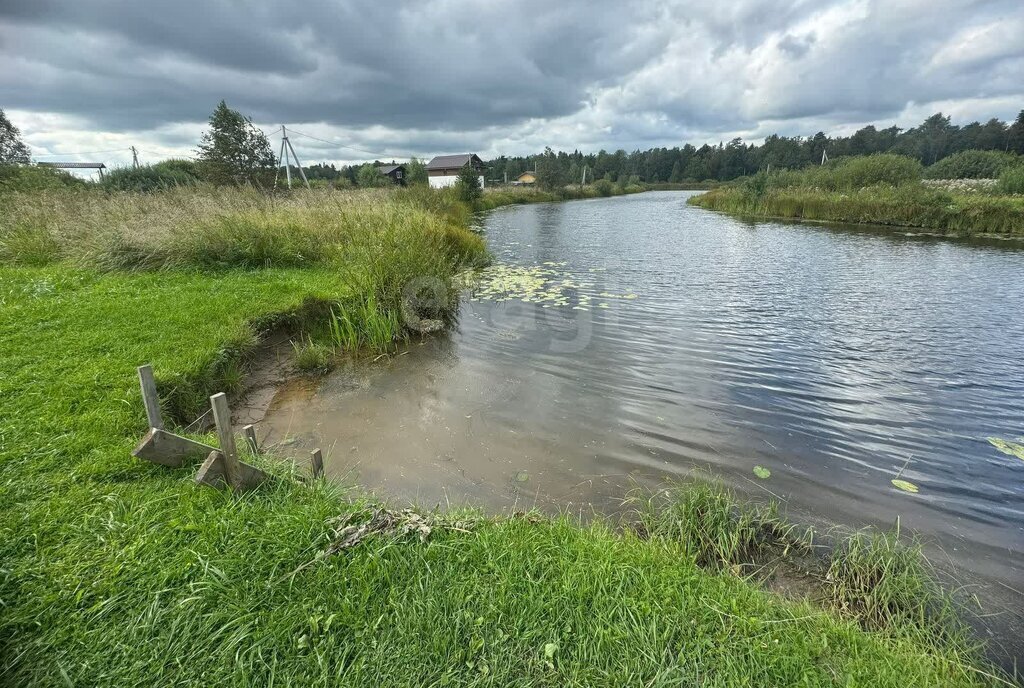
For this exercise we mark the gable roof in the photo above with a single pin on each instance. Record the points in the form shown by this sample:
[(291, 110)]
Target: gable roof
[(449, 162), (388, 169)]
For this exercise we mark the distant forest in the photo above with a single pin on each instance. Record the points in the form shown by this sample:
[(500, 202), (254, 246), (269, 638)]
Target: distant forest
[(936, 138)]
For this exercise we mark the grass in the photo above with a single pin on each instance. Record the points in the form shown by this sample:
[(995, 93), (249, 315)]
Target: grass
[(502, 196), (715, 528), (869, 191), (364, 325), (117, 572)]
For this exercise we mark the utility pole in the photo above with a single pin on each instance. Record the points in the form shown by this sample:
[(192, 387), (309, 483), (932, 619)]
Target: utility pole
[(286, 159), (584, 181), (135, 158)]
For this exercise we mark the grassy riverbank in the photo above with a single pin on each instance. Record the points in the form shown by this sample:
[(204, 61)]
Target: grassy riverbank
[(869, 191), (118, 572)]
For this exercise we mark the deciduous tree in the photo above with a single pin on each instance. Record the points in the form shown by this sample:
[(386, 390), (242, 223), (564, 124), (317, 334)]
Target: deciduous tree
[(235, 151), (469, 183), (12, 148)]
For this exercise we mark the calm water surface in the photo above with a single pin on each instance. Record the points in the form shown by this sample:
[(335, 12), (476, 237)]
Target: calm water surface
[(685, 339)]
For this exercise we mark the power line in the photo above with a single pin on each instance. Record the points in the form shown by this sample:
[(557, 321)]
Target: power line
[(342, 145)]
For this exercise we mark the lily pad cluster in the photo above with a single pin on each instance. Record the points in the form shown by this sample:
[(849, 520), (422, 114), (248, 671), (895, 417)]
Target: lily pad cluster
[(547, 285)]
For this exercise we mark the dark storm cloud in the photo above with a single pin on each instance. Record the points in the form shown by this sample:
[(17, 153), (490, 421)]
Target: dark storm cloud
[(437, 73), (455, 64)]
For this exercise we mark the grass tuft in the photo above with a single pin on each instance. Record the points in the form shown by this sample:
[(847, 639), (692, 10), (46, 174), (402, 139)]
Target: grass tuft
[(715, 527)]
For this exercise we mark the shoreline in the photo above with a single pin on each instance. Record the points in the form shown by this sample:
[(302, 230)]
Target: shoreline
[(966, 216), (113, 566), (789, 570)]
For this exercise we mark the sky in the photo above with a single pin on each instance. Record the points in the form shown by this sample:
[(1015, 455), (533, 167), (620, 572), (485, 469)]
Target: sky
[(375, 79)]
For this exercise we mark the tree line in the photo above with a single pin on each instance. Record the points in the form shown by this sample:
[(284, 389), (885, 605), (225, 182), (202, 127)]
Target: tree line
[(234, 151), (934, 139)]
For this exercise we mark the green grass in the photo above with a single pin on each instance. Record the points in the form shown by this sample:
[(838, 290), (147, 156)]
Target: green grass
[(117, 572), (715, 528), (912, 205)]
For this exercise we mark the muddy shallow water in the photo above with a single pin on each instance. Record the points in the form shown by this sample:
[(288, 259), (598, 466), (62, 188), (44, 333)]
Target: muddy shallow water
[(624, 341)]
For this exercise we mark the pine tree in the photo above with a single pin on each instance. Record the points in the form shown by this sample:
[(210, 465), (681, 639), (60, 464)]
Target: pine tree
[(12, 148), (235, 151), (1015, 138)]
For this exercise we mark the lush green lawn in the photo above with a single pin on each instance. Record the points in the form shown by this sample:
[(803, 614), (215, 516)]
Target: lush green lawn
[(117, 572)]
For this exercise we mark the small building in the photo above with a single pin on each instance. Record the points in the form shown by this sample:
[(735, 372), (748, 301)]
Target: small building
[(396, 173), (444, 170), (526, 178)]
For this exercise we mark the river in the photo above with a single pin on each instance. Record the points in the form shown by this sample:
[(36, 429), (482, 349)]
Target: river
[(621, 342)]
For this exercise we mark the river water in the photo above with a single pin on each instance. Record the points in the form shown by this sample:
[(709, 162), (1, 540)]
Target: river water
[(621, 342)]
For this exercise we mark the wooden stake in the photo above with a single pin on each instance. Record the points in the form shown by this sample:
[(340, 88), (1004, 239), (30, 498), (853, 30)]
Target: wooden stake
[(149, 397), (318, 464), (222, 417), (250, 436)]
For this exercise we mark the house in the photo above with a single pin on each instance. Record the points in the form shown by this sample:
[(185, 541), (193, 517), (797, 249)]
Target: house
[(526, 178), (396, 173), (444, 170)]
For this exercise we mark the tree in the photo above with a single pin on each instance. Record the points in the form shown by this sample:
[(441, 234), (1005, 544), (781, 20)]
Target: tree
[(369, 176), (234, 150), (1015, 139), (550, 174), (416, 172), (468, 184), (12, 148)]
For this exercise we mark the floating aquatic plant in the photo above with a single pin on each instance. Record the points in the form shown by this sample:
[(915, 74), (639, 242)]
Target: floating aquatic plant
[(544, 284), (1007, 447), (762, 472), (904, 485)]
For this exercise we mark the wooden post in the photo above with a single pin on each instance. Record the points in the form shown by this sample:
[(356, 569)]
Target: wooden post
[(149, 397), (318, 464), (222, 417), (250, 436)]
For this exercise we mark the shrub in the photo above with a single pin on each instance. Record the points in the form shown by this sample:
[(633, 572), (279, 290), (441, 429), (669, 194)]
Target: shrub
[(469, 184), (861, 171), (972, 164), (162, 175), (604, 187), (369, 176), (35, 178), (1011, 181)]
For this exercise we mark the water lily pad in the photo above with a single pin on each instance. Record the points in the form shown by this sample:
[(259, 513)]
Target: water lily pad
[(1007, 447), (522, 477), (762, 472), (906, 486)]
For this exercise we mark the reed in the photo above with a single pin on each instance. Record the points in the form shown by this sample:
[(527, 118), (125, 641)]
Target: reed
[(912, 205)]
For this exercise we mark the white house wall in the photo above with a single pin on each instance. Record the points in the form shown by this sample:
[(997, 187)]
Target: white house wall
[(448, 180)]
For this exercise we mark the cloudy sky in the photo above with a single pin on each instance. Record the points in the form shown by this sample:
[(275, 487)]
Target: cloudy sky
[(390, 79)]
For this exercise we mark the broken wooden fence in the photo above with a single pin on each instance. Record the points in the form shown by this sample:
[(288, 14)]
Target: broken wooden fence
[(221, 466)]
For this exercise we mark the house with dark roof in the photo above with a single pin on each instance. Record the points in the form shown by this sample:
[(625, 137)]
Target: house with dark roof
[(396, 173), (444, 170)]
